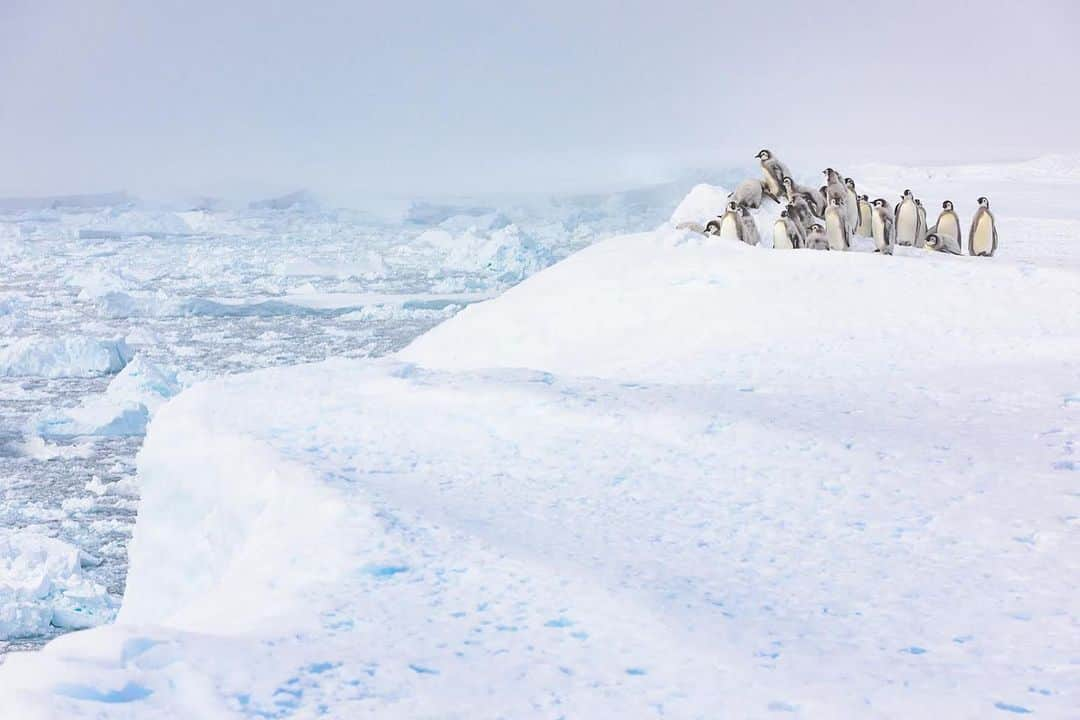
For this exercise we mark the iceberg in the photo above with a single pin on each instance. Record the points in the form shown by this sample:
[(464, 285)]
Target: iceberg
[(63, 356)]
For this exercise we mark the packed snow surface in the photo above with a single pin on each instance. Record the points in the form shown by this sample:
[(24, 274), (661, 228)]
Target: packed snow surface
[(667, 477)]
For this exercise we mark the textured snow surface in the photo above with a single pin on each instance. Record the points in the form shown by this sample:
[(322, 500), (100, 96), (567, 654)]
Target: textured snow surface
[(668, 476)]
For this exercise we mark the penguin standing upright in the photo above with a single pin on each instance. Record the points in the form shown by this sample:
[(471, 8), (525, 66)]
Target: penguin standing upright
[(834, 187), (797, 198), (948, 231), (815, 238), (748, 193), (882, 227), (866, 215), (749, 227), (920, 231), (851, 205), (729, 226), (906, 219), (774, 172), (787, 233), (983, 238), (836, 228)]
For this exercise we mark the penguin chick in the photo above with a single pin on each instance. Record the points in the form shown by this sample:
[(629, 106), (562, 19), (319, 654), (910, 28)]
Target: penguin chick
[(947, 228), (882, 227), (774, 172), (834, 187), (940, 244), (866, 214), (920, 231), (983, 236), (798, 199), (836, 229), (906, 219), (749, 227), (851, 206), (815, 238), (748, 193), (787, 234), (729, 226)]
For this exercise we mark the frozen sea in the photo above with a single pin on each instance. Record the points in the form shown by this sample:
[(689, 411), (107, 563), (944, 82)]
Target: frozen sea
[(195, 292)]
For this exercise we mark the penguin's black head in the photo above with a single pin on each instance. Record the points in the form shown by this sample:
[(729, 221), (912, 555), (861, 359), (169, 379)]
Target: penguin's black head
[(907, 193), (815, 227), (865, 197), (879, 202), (787, 180), (849, 183), (947, 205), (783, 213), (918, 202), (763, 154), (731, 205), (983, 202), (932, 240), (827, 171)]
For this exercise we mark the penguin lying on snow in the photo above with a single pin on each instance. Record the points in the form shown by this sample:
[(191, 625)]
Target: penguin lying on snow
[(983, 238), (941, 244), (947, 230), (748, 193)]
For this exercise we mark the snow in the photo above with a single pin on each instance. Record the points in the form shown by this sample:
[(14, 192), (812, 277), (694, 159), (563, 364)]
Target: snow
[(63, 356), (666, 476), (42, 584), (703, 203)]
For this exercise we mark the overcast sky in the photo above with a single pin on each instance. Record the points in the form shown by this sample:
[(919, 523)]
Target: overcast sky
[(348, 98)]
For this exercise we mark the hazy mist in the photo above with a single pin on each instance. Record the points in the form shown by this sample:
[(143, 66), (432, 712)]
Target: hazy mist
[(349, 98)]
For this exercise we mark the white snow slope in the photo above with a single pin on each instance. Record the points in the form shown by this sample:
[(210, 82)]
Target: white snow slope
[(667, 476)]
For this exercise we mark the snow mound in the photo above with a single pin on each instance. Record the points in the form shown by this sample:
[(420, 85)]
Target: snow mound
[(42, 584), (127, 405), (66, 356), (703, 203)]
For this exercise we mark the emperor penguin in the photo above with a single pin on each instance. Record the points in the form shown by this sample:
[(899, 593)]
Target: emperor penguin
[(774, 172), (947, 229), (982, 238), (836, 228), (906, 218), (920, 234), (866, 214), (729, 226), (748, 193), (815, 238), (941, 244), (798, 199), (834, 187), (882, 227), (787, 234), (749, 227), (851, 204)]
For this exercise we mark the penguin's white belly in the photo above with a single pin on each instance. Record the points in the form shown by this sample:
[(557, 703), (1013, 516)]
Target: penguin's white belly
[(878, 226), (773, 186), (780, 239), (865, 220), (729, 228), (949, 231), (907, 224), (983, 242), (834, 230)]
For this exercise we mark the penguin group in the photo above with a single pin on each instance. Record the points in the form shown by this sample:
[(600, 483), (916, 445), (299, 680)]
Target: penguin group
[(830, 217)]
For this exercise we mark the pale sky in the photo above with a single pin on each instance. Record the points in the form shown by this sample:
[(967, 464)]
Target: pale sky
[(348, 98)]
